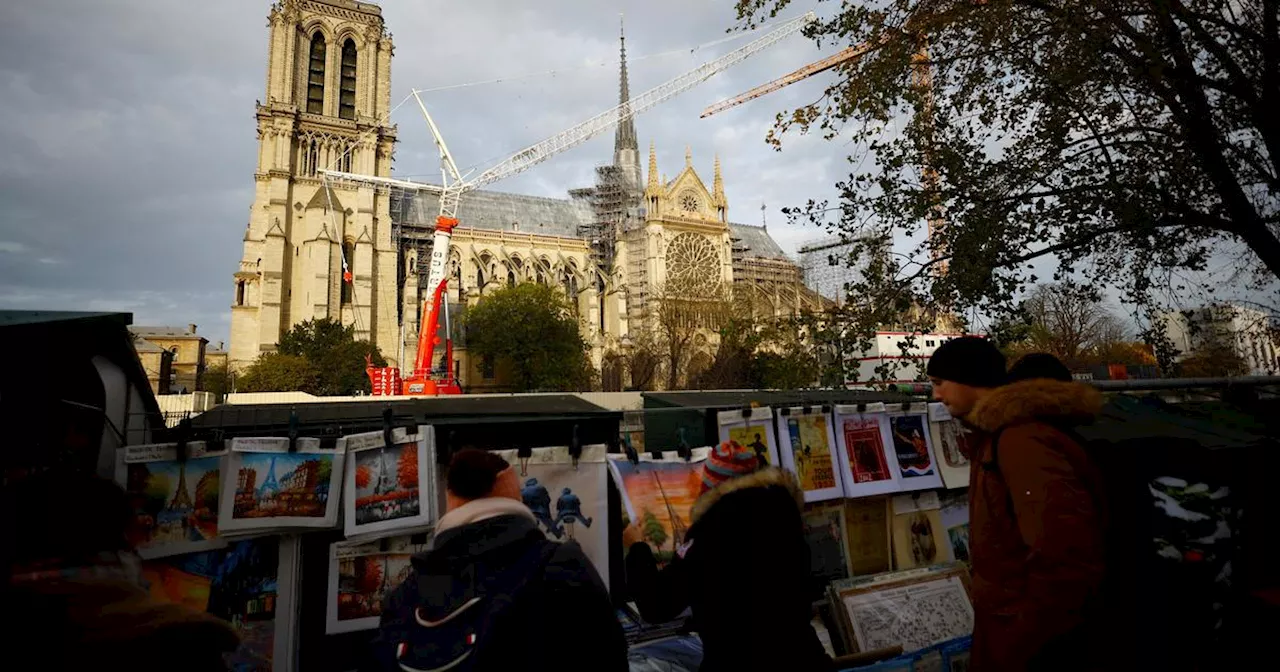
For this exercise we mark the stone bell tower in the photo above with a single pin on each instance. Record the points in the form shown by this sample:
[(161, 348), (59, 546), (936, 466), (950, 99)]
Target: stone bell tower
[(311, 252)]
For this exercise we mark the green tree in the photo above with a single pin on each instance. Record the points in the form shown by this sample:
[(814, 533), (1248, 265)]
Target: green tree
[(217, 380), (338, 357), (277, 372), (652, 529), (1126, 140), (531, 329)]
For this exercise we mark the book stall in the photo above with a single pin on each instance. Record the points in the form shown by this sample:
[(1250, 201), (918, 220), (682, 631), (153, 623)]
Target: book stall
[(293, 522)]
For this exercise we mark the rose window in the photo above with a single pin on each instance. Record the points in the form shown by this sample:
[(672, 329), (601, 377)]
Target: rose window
[(693, 267)]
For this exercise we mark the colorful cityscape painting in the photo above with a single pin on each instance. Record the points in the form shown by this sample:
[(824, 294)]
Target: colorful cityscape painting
[(365, 580), (279, 485), (238, 584), (174, 503), (387, 484)]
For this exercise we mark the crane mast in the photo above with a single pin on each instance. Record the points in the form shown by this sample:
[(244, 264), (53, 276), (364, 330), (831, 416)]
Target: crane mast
[(453, 185)]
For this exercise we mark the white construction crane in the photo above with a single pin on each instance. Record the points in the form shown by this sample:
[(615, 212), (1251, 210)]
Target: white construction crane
[(455, 185)]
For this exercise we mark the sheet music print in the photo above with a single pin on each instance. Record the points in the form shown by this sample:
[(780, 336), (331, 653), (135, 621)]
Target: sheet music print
[(915, 616)]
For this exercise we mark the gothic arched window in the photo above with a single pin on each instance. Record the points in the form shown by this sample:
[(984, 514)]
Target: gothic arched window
[(347, 83), (315, 75)]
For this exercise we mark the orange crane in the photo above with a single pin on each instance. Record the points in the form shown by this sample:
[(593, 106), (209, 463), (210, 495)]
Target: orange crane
[(427, 379)]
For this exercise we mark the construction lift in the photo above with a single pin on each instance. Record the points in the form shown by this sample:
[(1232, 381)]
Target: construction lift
[(428, 380)]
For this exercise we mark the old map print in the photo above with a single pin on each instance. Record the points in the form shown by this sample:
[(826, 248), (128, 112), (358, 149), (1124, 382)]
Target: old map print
[(916, 616)]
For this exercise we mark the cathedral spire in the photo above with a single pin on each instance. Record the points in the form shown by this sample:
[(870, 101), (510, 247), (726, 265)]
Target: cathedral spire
[(625, 137), (718, 185), (654, 185)]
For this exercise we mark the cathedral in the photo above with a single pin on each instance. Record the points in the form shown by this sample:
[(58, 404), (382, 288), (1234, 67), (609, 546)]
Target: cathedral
[(351, 252)]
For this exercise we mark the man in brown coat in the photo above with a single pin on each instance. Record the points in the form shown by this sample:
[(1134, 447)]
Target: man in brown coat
[(1035, 512)]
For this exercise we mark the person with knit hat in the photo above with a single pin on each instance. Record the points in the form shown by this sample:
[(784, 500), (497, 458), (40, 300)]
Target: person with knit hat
[(1036, 509), (742, 570), (493, 593)]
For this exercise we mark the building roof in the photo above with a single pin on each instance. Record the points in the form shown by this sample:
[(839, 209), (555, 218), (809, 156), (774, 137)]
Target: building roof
[(498, 211), (755, 241), (164, 332), (142, 345)]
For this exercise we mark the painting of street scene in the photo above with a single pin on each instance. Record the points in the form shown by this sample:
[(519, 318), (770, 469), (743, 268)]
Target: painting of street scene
[(365, 580), (237, 584), (387, 484), (174, 503), (662, 495), (277, 485)]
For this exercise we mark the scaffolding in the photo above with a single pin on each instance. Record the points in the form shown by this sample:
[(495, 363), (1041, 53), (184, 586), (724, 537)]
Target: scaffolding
[(828, 266)]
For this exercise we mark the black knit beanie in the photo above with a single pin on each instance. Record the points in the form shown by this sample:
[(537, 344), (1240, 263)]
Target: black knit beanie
[(1039, 365), (968, 360)]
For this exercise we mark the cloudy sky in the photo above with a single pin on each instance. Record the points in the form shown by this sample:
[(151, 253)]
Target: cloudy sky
[(127, 142)]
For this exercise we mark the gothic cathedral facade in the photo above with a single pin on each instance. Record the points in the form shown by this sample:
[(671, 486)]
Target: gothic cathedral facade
[(328, 93)]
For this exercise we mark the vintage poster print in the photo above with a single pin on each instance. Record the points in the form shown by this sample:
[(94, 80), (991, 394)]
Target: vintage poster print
[(569, 501), (240, 584), (914, 614), (950, 444), (175, 504), (754, 431), (269, 487), (954, 516), (658, 496), (863, 441), (824, 530), (362, 574), (805, 445), (388, 487), (919, 538), (867, 538), (914, 454)]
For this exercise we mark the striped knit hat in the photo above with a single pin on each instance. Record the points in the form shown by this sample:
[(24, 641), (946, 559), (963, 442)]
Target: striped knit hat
[(728, 460)]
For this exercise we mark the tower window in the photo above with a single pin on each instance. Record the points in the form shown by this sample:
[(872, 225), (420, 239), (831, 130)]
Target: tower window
[(240, 293), (347, 83), (315, 75)]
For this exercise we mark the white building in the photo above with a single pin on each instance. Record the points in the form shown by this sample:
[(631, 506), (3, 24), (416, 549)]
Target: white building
[(899, 356), (1252, 333)]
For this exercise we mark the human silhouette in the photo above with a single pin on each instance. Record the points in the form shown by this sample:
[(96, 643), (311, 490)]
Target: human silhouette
[(569, 510)]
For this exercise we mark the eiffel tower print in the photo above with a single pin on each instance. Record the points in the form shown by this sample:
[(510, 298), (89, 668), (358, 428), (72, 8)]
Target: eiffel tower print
[(269, 485), (181, 498)]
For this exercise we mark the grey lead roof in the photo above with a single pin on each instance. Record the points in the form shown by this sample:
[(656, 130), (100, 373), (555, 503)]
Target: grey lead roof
[(497, 211)]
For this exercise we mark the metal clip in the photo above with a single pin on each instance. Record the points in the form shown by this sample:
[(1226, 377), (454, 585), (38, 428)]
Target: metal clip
[(575, 447), (629, 449), (682, 445), (524, 453), (386, 427), (293, 430), (182, 434)]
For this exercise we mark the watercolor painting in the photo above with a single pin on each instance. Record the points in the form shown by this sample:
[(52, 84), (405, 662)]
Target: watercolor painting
[(661, 495), (238, 584), (175, 503), (811, 451), (387, 484), (280, 485)]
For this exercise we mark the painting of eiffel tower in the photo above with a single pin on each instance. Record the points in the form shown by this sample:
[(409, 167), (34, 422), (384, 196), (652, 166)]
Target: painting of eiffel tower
[(181, 498), (270, 486)]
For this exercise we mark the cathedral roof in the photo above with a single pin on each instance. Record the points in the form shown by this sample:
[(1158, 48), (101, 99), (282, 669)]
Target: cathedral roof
[(755, 241), (497, 211)]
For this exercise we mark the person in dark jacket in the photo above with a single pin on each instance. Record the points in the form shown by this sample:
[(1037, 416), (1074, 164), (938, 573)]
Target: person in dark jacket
[(743, 570), (557, 616), (1036, 509), (74, 592)]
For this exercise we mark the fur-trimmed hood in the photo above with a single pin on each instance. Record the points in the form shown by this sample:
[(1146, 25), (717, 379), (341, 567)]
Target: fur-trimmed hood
[(764, 478), (1037, 399)]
